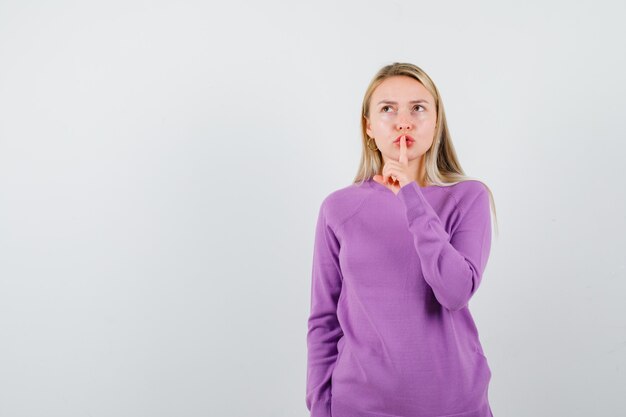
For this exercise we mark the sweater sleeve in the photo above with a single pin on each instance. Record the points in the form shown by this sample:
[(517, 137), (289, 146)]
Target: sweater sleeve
[(451, 265), (324, 330)]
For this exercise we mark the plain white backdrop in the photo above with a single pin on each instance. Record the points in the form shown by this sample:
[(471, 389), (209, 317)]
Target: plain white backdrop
[(162, 165)]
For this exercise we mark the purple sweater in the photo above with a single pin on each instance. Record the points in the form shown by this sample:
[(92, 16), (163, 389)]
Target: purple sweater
[(390, 333)]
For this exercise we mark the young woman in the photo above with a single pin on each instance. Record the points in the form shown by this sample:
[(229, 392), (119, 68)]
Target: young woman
[(398, 254)]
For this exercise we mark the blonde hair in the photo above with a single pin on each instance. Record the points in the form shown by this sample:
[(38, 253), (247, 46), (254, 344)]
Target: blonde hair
[(441, 164)]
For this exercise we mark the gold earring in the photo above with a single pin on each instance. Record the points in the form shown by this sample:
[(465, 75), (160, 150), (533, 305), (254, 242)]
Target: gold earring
[(368, 145)]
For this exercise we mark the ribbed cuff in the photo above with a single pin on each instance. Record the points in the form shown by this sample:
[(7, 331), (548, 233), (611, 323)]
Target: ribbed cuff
[(321, 409), (413, 199)]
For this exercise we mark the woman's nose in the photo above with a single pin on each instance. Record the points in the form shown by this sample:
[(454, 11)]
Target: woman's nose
[(404, 121), (404, 126)]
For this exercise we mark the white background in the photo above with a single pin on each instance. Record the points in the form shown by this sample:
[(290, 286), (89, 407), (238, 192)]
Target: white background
[(162, 166)]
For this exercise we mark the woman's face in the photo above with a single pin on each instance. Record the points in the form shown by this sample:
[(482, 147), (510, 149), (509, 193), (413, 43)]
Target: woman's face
[(402, 105)]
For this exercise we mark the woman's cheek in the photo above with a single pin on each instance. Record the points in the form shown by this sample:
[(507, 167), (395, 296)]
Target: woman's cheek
[(383, 123)]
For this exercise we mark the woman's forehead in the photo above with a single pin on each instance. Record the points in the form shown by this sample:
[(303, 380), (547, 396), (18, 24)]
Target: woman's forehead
[(401, 89)]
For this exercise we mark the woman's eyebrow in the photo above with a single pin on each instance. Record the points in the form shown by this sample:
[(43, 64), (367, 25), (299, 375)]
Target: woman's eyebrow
[(394, 102)]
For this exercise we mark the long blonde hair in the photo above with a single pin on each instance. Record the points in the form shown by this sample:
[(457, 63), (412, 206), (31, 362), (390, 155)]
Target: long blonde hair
[(441, 164)]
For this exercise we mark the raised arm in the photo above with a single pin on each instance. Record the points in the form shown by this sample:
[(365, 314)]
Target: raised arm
[(452, 265), (323, 327)]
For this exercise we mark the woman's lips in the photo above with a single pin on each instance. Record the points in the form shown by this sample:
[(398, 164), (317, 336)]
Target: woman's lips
[(409, 140)]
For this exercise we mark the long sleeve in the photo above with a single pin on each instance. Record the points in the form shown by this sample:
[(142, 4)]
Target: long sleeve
[(323, 326), (451, 265)]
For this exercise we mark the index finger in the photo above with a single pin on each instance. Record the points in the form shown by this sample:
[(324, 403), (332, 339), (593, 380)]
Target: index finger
[(403, 158)]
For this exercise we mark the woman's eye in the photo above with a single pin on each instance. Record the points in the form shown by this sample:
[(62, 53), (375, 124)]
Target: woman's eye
[(387, 107)]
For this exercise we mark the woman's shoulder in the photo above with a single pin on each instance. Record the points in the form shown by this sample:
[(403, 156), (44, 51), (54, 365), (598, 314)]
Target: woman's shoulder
[(342, 203), (471, 185), (467, 191)]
